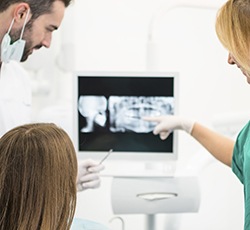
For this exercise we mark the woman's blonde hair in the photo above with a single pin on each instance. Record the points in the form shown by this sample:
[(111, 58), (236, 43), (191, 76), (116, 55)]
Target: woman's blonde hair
[(233, 30), (38, 170)]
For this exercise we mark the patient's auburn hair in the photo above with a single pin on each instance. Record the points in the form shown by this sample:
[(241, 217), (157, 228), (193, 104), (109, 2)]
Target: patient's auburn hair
[(38, 169)]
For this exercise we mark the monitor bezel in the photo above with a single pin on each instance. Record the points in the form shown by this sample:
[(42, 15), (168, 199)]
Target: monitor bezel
[(131, 156)]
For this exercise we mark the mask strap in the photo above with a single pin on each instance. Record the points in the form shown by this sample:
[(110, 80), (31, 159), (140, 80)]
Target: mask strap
[(11, 24), (25, 21)]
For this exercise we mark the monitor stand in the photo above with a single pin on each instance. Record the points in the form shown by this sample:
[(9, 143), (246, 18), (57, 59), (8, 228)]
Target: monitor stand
[(150, 222), (139, 169), (173, 222)]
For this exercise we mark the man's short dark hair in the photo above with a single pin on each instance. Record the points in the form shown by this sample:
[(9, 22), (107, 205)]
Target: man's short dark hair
[(37, 7)]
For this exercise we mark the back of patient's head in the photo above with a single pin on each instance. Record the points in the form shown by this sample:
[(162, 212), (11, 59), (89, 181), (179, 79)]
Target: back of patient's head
[(38, 170)]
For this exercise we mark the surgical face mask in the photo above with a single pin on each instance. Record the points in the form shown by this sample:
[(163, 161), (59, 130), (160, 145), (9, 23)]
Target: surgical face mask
[(15, 50)]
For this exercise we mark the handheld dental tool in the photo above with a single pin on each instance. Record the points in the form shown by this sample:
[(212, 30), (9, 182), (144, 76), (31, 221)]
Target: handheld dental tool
[(106, 156)]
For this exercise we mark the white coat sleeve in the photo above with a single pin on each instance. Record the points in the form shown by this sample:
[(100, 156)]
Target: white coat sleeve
[(15, 97)]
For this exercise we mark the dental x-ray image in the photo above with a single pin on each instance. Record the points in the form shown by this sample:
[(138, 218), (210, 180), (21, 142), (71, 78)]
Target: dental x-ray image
[(93, 109), (126, 112), (110, 111)]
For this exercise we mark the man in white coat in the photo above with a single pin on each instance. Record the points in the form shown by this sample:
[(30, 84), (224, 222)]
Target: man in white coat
[(27, 25)]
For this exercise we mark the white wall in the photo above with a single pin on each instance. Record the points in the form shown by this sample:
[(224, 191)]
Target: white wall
[(112, 35)]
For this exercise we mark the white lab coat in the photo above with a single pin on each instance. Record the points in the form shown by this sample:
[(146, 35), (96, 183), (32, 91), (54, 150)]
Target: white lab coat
[(15, 96)]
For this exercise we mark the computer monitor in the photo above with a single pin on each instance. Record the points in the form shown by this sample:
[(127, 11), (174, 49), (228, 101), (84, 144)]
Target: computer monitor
[(108, 111)]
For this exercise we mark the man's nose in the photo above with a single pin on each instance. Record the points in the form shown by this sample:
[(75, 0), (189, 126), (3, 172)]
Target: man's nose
[(47, 41)]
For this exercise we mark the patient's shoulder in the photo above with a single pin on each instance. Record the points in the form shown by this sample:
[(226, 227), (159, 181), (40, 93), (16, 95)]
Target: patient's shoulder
[(83, 224)]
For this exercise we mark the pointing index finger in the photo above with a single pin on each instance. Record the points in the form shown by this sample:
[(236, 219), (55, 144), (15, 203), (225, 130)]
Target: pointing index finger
[(155, 119)]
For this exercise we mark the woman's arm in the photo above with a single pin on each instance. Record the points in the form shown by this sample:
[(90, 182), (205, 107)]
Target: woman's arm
[(219, 146)]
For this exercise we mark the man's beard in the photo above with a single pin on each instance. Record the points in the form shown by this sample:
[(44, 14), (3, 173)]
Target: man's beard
[(15, 35)]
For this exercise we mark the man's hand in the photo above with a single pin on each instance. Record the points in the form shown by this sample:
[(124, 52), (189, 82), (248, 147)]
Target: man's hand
[(88, 174)]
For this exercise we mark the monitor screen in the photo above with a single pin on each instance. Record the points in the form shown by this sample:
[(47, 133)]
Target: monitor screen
[(109, 107)]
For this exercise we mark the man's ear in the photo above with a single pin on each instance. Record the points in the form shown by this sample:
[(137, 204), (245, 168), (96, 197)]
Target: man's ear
[(20, 13)]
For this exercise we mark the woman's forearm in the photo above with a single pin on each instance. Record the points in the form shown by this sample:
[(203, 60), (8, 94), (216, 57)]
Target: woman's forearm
[(219, 146)]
